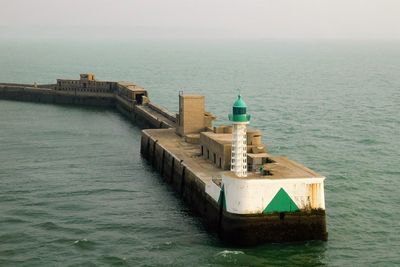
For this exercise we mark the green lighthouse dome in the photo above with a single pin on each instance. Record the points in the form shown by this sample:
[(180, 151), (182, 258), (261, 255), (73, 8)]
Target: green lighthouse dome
[(239, 110), (239, 103)]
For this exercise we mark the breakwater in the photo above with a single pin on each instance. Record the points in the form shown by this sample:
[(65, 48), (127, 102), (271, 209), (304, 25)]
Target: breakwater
[(188, 178), (242, 211), (50, 96), (148, 115)]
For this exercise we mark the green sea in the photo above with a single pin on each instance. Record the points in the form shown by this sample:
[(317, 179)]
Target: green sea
[(74, 190)]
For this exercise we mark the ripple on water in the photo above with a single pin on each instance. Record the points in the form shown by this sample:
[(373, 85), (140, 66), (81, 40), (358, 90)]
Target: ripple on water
[(57, 228), (16, 238), (114, 260), (81, 263), (162, 246), (12, 220), (30, 213)]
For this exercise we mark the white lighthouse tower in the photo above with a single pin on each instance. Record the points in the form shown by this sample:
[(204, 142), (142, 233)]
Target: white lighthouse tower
[(240, 119)]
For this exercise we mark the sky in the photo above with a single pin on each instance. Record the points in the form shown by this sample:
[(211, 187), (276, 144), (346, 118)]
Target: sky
[(201, 19)]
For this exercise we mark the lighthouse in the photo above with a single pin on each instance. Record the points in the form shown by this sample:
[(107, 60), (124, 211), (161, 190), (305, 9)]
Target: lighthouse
[(240, 119)]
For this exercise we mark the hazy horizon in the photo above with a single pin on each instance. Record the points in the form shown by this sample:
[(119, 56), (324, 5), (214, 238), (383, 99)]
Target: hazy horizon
[(189, 19)]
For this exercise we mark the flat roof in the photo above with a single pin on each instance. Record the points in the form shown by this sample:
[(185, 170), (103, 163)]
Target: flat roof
[(192, 96), (78, 80), (131, 86), (222, 138), (282, 168), (126, 83), (259, 155)]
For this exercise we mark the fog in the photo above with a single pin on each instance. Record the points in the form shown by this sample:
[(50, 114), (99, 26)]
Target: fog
[(200, 19)]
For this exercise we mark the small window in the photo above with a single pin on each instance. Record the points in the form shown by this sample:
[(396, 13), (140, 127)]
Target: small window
[(239, 110)]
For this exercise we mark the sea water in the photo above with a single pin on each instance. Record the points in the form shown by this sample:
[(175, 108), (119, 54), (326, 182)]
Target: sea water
[(74, 190)]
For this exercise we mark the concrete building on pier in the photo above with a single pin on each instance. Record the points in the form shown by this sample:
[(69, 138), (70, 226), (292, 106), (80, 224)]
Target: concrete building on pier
[(253, 181), (87, 85)]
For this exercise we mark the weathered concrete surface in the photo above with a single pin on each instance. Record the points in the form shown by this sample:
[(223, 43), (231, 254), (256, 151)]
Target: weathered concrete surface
[(46, 95), (144, 116), (181, 165)]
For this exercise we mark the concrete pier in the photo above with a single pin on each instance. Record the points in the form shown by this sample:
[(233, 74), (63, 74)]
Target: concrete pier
[(279, 201), (29, 93), (126, 97), (182, 166)]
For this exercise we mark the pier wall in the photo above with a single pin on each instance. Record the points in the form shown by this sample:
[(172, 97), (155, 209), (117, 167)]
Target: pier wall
[(145, 116), (45, 95), (162, 111), (236, 229), (184, 181)]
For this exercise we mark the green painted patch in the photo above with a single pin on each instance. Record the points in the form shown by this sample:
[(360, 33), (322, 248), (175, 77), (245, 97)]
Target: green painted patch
[(281, 203), (239, 110), (239, 103), (221, 198)]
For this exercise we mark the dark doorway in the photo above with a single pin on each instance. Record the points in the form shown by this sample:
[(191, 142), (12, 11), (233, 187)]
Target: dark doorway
[(139, 99)]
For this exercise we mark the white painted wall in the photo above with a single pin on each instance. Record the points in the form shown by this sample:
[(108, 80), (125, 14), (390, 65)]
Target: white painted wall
[(251, 196), (213, 190)]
